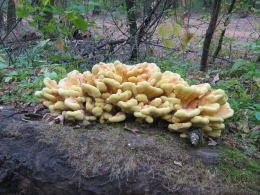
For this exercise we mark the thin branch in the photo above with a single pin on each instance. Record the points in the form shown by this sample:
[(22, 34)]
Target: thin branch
[(13, 27), (111, 43), (2, 4), (117, 25), (226, 22)]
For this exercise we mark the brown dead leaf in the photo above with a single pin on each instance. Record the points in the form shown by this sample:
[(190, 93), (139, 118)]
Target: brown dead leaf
[(216, 78), (49, 116), (59, 45), (38, 107)]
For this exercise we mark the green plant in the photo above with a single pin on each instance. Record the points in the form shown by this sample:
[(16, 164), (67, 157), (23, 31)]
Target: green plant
[(21, 79), (177, 65), (65, 21), (246, 69)]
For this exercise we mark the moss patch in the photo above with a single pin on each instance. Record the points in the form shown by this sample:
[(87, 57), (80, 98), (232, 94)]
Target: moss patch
[(110, 149), (240, 169)]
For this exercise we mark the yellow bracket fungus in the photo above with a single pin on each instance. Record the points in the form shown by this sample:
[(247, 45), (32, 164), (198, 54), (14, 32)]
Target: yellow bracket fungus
[(110, 91)]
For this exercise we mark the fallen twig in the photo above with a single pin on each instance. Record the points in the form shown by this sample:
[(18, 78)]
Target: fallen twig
[(134, 131)]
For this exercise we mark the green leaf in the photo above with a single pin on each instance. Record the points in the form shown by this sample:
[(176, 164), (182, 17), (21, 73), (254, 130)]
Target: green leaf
[(80, 23), (165, 30), (3, 66), (257, 115), (51, 75), (99, 38), (177, 29), (45, 2), (187, 37), (254, 134), (60, 69), (238, 64), (7, 79), (13, 73), (233, 82), (22, 13), (1, 59), (258, 84), (169, 43), (43, 43)]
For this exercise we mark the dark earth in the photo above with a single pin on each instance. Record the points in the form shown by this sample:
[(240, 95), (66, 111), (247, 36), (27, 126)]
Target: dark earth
[(35, 162)]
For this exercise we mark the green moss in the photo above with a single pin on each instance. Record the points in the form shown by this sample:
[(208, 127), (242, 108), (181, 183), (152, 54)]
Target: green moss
[(159, 138), (239, 168)]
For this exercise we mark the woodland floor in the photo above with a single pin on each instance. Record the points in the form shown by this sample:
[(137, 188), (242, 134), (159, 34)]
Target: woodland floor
[(39, 158)]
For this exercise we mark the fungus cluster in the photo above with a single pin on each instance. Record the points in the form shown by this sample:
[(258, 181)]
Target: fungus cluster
[(111, 91)]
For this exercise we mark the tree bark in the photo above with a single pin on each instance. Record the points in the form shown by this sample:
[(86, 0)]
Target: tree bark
[(1, 19), (209, 34), (11, 15), (230, 9), (207, 4), (131, 17), (96, 10)]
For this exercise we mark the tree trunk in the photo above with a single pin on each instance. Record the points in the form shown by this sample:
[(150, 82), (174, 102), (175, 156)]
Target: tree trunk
[(209, 34), (11, 15), (1, 19), (131, 17), (230, 9), (147, 7), (96, 10), (207, 4)]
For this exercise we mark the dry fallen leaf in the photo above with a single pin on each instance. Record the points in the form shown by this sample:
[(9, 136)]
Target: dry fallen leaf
[(49, 116), (38, 108), (216, 78), (59, 45)]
